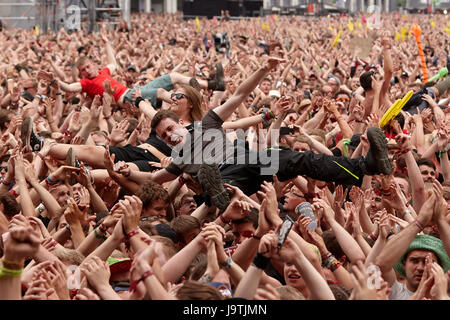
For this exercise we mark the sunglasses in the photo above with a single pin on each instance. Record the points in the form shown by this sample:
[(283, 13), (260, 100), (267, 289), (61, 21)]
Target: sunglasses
[(3, 168), (343, 99), (178, 96)]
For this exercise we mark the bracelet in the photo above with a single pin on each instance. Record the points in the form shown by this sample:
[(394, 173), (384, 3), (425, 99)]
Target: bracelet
[(13, 265), (260, 261), (391, 233), (419, 225), (107, 117), (129, 235), (5, 272), (223, 219), (53, 81), (256, 237), (142, 278), (372, 236), (103, 228), (326, 256), (41, 156), (402, 152), (98, 236), (14, 193), (138, 100)]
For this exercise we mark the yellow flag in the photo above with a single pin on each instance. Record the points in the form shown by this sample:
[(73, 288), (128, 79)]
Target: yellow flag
[(350, 26), (447, 30), (335, 42), (433, 25), (397, 36), (197, 22), (403, 32), (36, 30)]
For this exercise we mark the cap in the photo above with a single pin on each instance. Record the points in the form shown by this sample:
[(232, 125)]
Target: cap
[(117, 265), (131, 66)]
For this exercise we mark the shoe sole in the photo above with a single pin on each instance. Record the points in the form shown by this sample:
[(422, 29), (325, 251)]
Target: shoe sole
[(379, 150), (194, 84), (220, 76), (211, 181), (71, 160), (25, 132)]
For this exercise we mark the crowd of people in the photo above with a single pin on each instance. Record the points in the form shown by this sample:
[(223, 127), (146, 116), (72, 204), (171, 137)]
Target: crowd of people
[(165, 159)]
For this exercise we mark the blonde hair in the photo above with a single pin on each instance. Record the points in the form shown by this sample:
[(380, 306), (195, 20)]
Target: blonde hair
[(289, 293), (195, 99), (69, 256)]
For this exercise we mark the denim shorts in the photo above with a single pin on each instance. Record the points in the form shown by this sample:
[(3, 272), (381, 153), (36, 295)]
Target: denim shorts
[(149, 91)]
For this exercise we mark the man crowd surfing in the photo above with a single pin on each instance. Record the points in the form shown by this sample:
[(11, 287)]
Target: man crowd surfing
[(164, 159)]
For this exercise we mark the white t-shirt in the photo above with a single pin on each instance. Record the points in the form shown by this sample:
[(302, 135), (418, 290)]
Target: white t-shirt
[(399, 291)]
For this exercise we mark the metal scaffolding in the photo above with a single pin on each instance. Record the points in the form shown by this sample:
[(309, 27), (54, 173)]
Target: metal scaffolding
[(53, 14)]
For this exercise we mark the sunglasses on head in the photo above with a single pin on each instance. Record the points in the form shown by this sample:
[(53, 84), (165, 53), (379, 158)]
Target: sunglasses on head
[(178, 96)]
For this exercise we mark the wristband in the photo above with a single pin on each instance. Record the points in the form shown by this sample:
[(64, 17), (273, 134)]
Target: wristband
[(326, 256), (107, 117), (223, 219), (5, 272), (50, 181), (256, 237), (103, 228), (142, 278), (14, 193), (372, 236), (98, 236), (12, 265), (53, 81), (419, 225), (260, 261), (41, 156), (129, 235), (138, 100)]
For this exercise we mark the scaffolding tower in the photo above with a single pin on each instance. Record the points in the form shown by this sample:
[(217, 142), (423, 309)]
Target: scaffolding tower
[(53, 14)]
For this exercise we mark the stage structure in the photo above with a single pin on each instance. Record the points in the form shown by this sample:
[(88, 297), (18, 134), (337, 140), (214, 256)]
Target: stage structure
[(56, 14)]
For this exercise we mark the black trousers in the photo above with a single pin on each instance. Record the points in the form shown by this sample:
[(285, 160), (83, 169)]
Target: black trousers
[(341, 170)]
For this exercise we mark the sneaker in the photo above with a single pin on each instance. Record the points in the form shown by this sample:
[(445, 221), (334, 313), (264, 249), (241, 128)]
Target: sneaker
[(211, 181), (220, 77), (194, 84), (377, 158), (72, 161), (218, 83), (28, 137)]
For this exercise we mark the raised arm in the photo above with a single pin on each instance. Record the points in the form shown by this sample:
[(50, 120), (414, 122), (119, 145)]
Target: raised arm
[(399, 243), (49, 77), (225, 110)]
